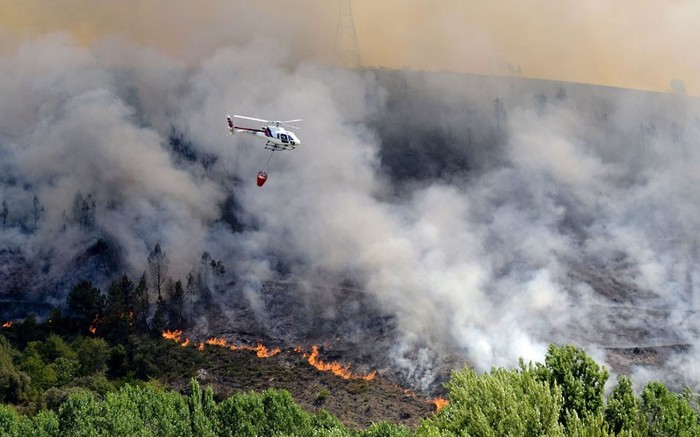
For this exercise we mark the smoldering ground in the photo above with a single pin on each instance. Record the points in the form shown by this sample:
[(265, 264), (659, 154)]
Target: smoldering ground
[(485, 217)]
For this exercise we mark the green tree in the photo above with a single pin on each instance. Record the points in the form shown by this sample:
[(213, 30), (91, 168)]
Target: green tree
[(43, 424), (66, 369), (79, 415), (283, 415), (118, 320), (159, 321), (667, 413), (14, 384), (145, 411), (622, 407), (501, 402), (141, 305), (118, 363), (241, 415), (385, 429), (55, 347), (593, 425), (59, 324), (177, 305), (9, 421), (92, 354), (202, 423), (119, 297), (61, 357), (41, 374), (86, 303), (54, 397), (580, 378)]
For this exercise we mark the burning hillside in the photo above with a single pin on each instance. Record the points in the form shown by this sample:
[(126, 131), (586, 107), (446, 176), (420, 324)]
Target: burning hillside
[(429, 219), (358, 400), (261, 351)]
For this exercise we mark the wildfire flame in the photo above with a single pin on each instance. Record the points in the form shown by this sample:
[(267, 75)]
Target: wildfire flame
[(130, 315), (263, 352), (260, 350), (7, 325), (439, 403), (337, 368), (173, 335), (93, 327)]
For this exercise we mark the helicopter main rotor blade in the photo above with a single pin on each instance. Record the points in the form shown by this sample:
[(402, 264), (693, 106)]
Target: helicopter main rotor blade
[(251, 118), (292, 121)]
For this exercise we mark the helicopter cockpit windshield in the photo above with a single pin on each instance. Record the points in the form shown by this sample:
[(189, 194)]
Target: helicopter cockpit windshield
[(289, 138)]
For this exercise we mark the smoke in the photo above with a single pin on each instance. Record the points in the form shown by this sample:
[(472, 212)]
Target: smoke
[(627, 43), (486, 217)]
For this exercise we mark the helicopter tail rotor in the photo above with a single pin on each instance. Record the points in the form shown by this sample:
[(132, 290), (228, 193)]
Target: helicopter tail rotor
[(231, 130)]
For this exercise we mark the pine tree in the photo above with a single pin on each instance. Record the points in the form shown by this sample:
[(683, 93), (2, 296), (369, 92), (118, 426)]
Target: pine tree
[(86, 303), (159, 321), (177, 300), (4, 212), (37, 210), (140, 304), (158, 267)]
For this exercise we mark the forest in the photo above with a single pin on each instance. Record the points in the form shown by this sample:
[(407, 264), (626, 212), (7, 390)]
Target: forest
[(102, 368)]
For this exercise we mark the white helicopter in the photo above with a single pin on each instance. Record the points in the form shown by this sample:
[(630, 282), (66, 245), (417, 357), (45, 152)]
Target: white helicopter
[(278, 138)]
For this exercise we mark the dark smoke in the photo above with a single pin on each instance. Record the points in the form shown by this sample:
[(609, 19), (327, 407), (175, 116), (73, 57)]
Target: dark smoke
[(464, 217)]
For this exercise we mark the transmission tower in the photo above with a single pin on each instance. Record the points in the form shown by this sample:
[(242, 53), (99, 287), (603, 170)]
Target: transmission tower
[(347, 50)]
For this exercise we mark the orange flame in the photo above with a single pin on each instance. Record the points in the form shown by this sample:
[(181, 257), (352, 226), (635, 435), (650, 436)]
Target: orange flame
[(217, 342), (440, 403), (263, 352), (93, 327), (337, 368), (7, 324), (260, 350), (124, 314), (173, 335)]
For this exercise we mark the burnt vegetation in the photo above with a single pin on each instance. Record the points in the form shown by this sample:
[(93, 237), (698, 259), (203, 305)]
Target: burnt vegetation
[(70, 369)]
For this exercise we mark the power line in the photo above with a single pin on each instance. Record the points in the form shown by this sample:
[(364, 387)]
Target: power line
[(347, 50)]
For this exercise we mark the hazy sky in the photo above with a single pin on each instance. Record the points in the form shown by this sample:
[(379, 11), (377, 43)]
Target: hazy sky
[(628, 43)]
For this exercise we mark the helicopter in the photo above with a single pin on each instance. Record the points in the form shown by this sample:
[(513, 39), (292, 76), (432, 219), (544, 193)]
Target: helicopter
[(277, 138)]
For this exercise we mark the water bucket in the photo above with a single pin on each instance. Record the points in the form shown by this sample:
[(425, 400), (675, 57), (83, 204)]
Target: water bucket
[(262, 177)]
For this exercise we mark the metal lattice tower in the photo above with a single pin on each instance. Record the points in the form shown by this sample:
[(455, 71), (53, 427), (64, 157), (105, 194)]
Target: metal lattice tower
[(347, 50)]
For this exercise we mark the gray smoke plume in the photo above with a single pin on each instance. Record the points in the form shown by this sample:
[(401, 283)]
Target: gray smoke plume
[(486, 217)]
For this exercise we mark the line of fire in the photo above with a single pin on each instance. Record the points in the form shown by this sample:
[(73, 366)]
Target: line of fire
[(312, 358)]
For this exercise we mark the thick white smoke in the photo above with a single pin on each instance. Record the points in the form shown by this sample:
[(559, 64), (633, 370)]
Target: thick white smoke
[(490, 264)]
